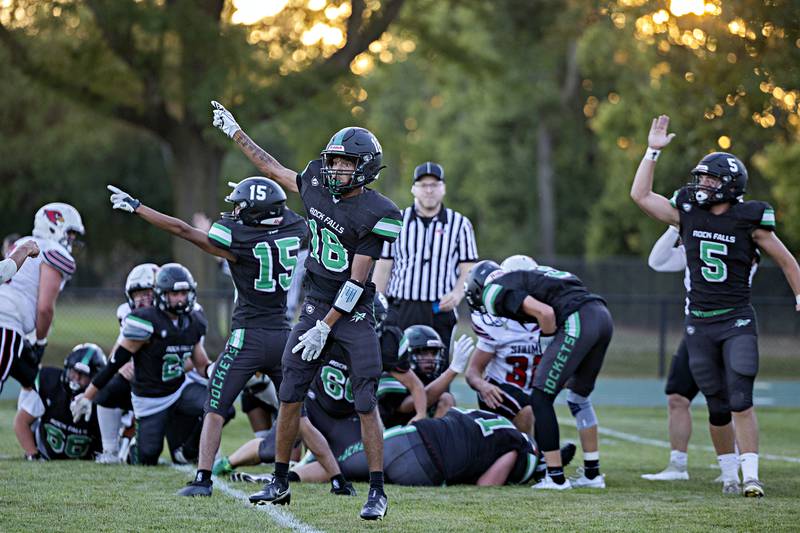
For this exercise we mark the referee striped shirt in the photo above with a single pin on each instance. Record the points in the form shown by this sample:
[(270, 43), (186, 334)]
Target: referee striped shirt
[(427, 253)]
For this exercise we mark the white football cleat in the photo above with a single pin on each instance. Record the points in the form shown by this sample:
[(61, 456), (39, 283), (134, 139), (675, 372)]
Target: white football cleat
[(752, 488), (582, 482), (107, 458), (672, 472), (547, 483), (731, 486)]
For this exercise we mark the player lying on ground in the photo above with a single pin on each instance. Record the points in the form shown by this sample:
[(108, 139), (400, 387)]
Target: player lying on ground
[(502, 366), (576, 329), (348, 224), (722, 234), (44, 425)]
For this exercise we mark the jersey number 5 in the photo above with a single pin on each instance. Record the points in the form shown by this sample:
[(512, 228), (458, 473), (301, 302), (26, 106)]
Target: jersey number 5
[(715, 270)]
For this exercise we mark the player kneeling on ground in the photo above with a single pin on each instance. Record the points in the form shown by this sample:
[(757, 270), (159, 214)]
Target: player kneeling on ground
[(160, 339), (576, 329), (44, 425)]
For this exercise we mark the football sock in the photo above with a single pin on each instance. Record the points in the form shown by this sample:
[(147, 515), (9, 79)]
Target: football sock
[(338, 481), (678, 458), (591, 464), (282, 473), (110, 420), (203, 476), (729, 464), (556, 473), (749, 465), (293, 476), (376, 480)]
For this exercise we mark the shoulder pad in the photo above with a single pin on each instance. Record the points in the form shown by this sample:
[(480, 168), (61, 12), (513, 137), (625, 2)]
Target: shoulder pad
[(221, 233), (57, 256), (387, 221), (758, 213), (479, 327), (200, 317), (138, 325), (122, 311), (47, 378)]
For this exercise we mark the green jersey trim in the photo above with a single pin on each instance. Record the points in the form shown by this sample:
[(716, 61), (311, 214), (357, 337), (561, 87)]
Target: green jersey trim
[(768, 218), (709, 314), (221, 234), (388, 227)]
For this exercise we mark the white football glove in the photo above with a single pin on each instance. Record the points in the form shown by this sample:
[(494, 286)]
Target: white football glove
[(312, 341), (122, 200), (81, 407), (223, 119), (461, 351), (545, 341)]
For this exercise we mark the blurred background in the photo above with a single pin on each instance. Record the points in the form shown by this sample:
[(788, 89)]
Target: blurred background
[(537, 109)]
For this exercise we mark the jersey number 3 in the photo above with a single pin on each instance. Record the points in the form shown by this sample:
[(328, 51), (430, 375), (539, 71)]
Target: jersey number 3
[(716, 270)]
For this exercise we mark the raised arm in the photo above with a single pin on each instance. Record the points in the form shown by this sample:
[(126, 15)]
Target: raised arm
[(770, 243), (264, 162), (655, 205), (124, 202), (14, 261)]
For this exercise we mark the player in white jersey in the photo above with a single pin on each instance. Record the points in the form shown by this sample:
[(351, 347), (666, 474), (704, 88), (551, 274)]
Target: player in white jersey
[(502, 366), (27, 300), (16, 258)]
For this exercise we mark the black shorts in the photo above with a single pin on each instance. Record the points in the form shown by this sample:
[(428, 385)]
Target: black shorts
[(116, 394), (406, 460), (723, 354), (514, 400), (576, 355), (17, 359), (680, 379), (355, 333), (405, 313), (247, 351), (339, 432)]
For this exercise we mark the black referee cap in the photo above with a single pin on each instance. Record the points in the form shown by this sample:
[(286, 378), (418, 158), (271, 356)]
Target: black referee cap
[(429, 168)]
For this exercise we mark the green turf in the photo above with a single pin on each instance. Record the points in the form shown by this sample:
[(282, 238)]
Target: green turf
[(81, 496)]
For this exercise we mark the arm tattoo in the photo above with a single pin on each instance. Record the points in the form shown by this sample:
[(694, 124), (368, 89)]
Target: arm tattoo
[(260, 158)]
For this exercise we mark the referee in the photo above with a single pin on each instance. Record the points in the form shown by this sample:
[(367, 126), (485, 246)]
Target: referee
[(422, 273)]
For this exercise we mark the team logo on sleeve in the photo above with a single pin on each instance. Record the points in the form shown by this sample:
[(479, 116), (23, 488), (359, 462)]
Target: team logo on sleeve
[(358, 317), (309, 309)]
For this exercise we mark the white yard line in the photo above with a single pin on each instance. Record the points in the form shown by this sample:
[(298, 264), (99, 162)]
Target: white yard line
[(281, 517), (630, 437)]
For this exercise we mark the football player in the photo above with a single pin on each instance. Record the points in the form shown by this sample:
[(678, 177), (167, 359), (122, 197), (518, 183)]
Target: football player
[(470, 447), (575, 331), (259, 239), (160, 339), (115, 398), (44, 425), (15, 259), (721, 233), (348, 224), (502, 366), (28, 300), (422, 347)]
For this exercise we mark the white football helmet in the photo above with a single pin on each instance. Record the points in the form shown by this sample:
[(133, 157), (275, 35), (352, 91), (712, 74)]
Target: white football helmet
[(141, 277), (518, 262), (54, 220)]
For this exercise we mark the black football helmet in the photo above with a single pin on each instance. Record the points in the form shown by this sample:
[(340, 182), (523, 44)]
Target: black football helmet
[(87, 359), (174, 277), (359, 145), (380, 310), (729, 169), (419, 339), (478, 277), (261, 201)]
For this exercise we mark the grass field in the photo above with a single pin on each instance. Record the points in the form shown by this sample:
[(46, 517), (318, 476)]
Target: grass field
[(82, 496), (633, 352)]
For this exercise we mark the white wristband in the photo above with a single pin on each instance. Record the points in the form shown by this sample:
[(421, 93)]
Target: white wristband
[(652, 154), (797, 298)]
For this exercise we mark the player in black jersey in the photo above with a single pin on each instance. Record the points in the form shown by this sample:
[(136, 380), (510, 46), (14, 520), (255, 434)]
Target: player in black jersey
[(44, 425), (464, 447), (576, 329), (259, 239), (160, 339), (721, 233), (348, 225)]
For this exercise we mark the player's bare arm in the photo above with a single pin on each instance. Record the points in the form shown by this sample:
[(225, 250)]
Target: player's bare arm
[(653, 204), (380, 277), (362, 264), (417, 390), (224, 120), (316, 443), (497, 474), (451, 300), (115, 363), (124, 202), (474, 376), (22, 429), (49, 287), (542, 312), (774, 247), (200, 359)]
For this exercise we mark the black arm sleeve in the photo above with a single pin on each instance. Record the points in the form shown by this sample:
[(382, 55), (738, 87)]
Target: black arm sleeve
[(118, 358)]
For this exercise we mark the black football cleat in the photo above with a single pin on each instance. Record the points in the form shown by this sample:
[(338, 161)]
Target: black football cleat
[(346, 489), (196, 488), (567, 453), (274, 493), (376, 507)]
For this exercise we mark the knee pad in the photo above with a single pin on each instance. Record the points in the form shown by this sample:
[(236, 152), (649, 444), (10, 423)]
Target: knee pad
[(740, 392), (582, 409), (719, 411), (364, 394)]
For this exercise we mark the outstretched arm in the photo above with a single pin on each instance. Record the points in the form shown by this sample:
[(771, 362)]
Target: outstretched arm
[(124, 202), (417, 391), (268, 165), (770, 243), (655, 205), (497, 474)]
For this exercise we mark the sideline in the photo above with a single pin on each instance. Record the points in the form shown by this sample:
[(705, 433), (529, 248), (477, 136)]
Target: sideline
[(282, 518)]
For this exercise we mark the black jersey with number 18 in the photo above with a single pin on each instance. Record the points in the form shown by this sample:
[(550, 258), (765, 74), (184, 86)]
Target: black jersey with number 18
[(720, 252), (340, 228)]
